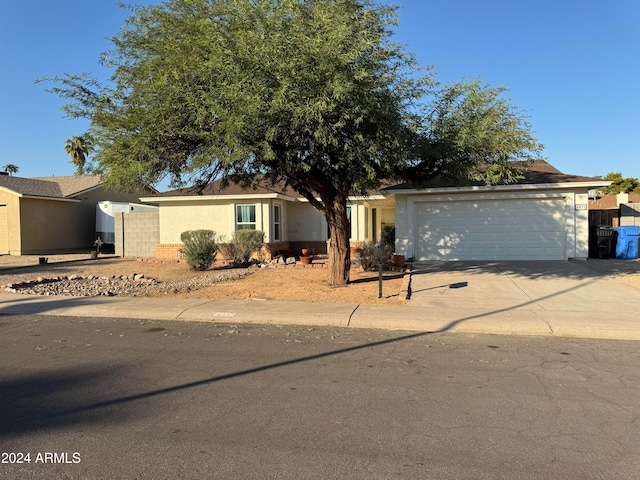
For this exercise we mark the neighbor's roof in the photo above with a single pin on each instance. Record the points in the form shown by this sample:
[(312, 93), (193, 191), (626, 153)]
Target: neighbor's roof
[(607, 202), (49, 187), (74, 184)]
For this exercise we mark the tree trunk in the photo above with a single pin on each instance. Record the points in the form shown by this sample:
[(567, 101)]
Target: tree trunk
[(339, 230)]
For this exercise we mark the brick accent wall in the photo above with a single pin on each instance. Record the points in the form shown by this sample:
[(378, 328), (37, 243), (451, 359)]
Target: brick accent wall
[(137, 234), (169, 251)]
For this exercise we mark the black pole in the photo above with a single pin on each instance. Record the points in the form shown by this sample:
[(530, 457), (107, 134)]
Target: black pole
[(380, 281)]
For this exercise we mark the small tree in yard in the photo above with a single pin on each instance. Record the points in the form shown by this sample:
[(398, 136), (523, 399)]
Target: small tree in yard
[(310, 93), (199, 248)]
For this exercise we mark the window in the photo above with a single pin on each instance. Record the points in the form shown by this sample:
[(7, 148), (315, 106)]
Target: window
[(276, 223), (245, 217)]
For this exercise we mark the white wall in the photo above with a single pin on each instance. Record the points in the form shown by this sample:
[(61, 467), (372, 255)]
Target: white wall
[(575, 213)]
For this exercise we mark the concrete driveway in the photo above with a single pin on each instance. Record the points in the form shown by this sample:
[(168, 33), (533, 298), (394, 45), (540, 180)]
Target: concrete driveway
[(561, 290)]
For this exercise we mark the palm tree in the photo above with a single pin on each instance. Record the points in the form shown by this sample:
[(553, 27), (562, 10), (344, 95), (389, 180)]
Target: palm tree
[(79, 148), (10, 168)]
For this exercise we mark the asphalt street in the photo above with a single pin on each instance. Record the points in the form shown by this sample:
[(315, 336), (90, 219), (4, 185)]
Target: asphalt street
[(100, 398)]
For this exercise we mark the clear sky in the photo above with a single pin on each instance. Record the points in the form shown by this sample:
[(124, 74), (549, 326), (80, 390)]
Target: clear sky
[(573, 65)]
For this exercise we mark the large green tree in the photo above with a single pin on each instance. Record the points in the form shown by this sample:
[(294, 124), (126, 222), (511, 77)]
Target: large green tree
[(312, 93), (620, 184)]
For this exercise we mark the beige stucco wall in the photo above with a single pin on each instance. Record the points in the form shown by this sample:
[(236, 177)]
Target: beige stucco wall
[(12, 202), (49, 225), (305, 223), (176, 218)]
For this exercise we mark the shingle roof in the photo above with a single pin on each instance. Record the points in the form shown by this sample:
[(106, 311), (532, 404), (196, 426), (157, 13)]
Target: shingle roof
[(540, 172), (607, 202), (30, 186), (75, 184), (51, 187), (215, 188)]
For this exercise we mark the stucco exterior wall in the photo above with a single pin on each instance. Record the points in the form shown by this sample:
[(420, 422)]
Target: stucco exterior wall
[(306, 223), (176, 218), (49, 225), (12, 226)]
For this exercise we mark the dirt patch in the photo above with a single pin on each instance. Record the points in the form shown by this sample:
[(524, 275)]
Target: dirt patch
[(275, 284)]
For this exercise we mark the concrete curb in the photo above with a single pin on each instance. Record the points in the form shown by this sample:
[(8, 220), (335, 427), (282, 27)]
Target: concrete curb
[(519, 321)]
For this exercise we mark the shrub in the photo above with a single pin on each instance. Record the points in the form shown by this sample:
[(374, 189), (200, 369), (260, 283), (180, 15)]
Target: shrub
[(389, 236), (368, 261), (244, 243), (199, 248)]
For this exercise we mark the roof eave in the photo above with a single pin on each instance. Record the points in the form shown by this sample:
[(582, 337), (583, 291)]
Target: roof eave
[(210, 198), (58, 199), (511, 187)]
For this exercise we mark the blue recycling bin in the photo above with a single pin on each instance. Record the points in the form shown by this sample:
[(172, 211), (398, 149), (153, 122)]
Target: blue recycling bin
[(627, 242)]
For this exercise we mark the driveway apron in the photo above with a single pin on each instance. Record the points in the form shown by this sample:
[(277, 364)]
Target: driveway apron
[(560, 286)]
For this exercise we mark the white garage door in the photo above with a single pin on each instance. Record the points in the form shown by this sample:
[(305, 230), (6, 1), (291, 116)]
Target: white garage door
[(523, 229)]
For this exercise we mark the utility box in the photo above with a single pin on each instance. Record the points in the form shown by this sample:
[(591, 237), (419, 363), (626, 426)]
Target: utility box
[(626, 242)]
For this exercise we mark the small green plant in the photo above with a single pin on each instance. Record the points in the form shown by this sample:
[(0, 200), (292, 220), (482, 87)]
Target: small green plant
[(245, 242), (199, 248), (389, 235), (367, 260)]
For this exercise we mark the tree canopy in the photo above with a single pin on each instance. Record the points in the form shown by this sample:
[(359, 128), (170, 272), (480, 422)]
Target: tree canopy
[(78, 148), (10, 168), (310, 93), (620, 184)]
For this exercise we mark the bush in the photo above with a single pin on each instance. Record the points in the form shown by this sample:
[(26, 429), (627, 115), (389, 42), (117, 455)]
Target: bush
[(246, 242), (199, 248), (242, 245), (389, 236), (368, 261)]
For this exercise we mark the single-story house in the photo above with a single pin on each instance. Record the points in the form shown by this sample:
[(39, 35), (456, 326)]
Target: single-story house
[(51, 214), (541, 217)]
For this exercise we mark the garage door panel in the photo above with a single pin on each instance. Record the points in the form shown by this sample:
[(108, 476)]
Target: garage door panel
[(490, 230)]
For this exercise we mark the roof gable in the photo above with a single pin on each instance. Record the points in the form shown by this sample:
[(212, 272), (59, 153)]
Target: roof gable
[(74, 184)]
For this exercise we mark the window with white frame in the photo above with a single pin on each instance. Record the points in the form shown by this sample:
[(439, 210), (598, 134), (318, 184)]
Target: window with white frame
[(245, 217), (276, 223)]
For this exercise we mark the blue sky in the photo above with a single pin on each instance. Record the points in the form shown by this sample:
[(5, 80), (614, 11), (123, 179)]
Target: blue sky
[(573, 65)]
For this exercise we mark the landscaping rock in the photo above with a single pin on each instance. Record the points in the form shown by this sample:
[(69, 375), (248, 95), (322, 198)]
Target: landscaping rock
[(132, 285)]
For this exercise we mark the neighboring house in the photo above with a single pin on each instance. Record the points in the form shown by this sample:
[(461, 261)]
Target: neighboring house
[(50, 214), (622, 209), (541, 217)]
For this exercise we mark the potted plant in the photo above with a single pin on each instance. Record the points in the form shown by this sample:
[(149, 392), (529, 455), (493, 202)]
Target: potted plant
[(306, 258)]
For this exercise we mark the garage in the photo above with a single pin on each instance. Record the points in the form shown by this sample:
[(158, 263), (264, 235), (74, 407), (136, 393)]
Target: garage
[(498, 229)]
